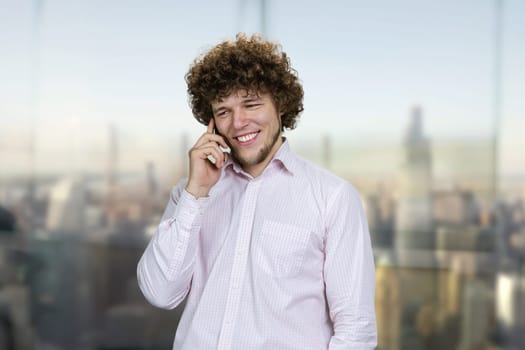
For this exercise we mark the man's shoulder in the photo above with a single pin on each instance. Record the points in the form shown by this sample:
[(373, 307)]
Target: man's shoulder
[(326, 188), (321, 178), (311, 170)]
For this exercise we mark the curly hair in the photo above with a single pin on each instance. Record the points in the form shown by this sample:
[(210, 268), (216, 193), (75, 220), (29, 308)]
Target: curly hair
[(250, 64)]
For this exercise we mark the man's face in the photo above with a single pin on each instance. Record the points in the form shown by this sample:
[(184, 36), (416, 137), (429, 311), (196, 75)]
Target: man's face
[(251, 125)]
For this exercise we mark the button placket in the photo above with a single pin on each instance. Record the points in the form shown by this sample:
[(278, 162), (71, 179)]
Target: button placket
[(239, 264)]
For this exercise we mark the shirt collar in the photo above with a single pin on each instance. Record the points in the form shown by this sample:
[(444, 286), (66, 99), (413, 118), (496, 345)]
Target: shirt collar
[(283, 158), (286, 157)]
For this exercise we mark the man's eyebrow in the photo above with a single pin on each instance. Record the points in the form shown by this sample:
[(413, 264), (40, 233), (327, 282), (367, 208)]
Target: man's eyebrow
[(251, 98), (217, 109)]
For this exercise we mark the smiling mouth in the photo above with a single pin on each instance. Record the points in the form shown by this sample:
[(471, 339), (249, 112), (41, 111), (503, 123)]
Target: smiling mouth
[(247, 137)]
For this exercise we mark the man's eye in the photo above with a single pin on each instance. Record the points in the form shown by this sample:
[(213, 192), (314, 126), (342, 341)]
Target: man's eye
[(253, 105), (221, 114)]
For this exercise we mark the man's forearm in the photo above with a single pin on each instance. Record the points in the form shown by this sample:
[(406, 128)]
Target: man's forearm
[(165, 269)]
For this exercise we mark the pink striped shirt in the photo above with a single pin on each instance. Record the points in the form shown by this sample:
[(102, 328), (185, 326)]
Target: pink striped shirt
[(280, 261)]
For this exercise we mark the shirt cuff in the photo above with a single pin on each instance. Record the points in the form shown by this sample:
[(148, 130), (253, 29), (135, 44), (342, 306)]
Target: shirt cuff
[(190, 210)]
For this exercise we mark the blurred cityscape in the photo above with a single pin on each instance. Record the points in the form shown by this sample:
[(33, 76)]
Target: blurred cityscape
[(449, 257), (447, 225)]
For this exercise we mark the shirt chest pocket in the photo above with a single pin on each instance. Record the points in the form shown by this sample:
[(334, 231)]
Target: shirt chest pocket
[(281, 248)]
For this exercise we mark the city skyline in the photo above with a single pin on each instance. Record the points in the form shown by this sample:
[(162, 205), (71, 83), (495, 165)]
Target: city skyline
[(403, 99)]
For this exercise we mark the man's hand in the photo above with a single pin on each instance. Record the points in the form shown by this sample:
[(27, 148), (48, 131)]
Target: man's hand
[(203, 173)]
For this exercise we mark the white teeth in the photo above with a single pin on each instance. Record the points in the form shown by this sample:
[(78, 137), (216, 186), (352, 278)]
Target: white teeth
[(246, 138)]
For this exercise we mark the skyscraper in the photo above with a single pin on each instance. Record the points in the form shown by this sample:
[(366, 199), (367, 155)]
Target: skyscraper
[(414, 212)]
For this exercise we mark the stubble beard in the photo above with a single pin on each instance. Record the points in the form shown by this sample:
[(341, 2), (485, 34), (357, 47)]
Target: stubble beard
[(260, 156)]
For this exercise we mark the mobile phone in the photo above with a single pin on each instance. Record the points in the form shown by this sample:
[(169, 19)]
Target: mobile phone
[(224, 150)]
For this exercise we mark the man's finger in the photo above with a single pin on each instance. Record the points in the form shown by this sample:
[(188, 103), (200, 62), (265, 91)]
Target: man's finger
[(211, 126)]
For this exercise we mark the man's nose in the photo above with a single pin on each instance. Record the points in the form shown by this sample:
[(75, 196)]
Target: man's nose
[(240, 118)]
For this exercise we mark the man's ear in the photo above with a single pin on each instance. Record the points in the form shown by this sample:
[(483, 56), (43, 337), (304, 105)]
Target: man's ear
[(281, 120)]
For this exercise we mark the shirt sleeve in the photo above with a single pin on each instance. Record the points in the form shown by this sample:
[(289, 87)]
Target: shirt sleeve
[(165, 269), (349, 273)]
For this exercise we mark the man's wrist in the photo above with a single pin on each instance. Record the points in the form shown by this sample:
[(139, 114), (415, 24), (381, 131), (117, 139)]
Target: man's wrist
[(197, 191)]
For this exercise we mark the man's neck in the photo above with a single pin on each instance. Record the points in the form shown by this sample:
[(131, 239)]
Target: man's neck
[(257, 169)]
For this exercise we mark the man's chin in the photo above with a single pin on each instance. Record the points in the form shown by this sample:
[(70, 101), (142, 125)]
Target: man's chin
[(245, 160), (251, 158)]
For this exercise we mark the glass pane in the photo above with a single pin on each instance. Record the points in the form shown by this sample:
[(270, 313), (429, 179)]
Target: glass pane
[(418, 104)]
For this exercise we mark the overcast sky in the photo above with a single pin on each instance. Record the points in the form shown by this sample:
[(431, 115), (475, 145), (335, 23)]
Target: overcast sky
[(73, 67)]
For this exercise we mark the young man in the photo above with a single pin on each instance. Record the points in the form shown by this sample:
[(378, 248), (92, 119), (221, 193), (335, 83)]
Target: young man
[(270, 251)]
